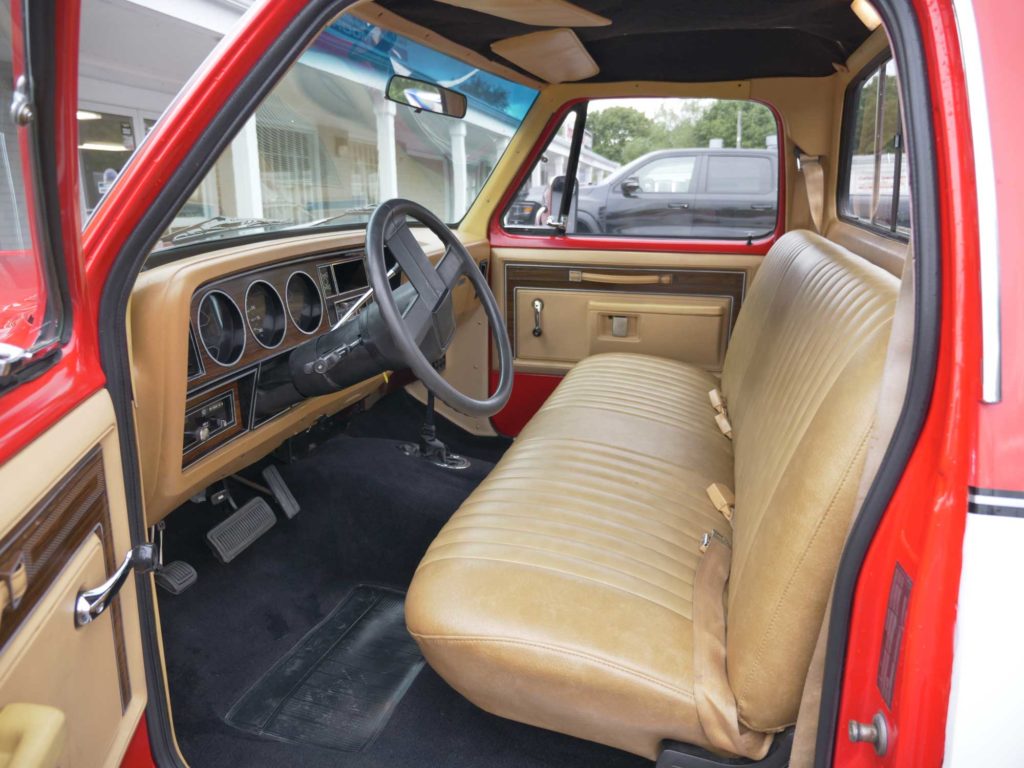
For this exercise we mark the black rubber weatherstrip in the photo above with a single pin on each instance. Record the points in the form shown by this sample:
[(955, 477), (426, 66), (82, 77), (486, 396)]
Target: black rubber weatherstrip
[(338, 687), (113, 316), (901, 24)]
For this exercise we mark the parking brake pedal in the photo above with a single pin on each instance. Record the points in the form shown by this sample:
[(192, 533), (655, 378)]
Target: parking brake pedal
[(233, 536), (176, 577), (281, 492)]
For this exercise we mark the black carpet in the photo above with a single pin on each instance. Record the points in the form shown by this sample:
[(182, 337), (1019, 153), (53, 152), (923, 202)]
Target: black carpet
[(368, 514)]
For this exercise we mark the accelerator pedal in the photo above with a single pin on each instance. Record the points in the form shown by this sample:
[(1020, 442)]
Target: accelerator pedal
[(233, 536), (280, 491), (176, 577)]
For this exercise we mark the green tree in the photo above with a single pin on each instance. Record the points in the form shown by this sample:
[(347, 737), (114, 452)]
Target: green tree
[(623, 133), (719, 122)]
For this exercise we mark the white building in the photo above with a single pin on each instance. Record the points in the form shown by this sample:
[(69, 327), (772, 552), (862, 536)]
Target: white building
[(325, 141)]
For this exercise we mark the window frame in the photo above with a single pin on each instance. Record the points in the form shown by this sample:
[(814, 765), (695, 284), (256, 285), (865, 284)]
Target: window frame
[(846, 139), (499, 235), (43, 194)]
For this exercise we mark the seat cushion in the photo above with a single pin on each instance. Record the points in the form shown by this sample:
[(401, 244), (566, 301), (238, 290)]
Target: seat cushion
[(560, 592)]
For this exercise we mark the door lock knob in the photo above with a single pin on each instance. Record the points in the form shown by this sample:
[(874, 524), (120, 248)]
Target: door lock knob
[(875, 733)]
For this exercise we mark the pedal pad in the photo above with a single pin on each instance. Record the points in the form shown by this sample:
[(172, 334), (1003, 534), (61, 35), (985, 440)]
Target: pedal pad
[(233, 536), (282, 493), (176, 577)]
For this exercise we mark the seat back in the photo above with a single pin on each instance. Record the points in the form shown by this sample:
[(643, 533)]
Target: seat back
[(801, 379)]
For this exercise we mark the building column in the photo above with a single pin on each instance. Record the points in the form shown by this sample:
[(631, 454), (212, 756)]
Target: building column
[(460, 178), (245, 166), (387, 152)]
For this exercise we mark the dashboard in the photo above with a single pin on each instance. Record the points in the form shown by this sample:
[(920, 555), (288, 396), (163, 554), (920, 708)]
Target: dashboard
[(211, 334), (241, 329)]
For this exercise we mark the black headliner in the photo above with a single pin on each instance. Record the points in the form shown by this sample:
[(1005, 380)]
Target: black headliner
[(679, 40)]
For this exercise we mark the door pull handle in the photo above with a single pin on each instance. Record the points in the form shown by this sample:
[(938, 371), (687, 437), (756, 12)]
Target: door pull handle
[(756, 207), (679, 206), (90, 603), (538, 307)]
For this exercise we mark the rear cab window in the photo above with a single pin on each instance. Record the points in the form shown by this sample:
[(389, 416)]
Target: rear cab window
[(696, 169), (874, 172)]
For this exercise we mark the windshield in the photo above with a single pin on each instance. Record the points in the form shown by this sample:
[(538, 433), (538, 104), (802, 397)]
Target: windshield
[(326, 146)]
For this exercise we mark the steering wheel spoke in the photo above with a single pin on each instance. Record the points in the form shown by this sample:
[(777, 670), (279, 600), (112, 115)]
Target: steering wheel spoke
[(423, 328), (414, 263)]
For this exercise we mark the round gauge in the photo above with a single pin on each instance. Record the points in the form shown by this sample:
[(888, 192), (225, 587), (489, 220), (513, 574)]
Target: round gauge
[(304, 303), (265, 313), (220, 328)]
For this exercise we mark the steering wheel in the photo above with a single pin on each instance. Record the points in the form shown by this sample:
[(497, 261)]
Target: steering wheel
[(428, 322)]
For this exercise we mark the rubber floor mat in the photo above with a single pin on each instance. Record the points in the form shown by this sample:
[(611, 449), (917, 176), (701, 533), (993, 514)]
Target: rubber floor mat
[(338, 687)]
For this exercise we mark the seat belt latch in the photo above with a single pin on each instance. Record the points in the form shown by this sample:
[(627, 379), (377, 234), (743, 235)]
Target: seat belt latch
[(717, 401), (723, 499), (712, 535), (724, 424)]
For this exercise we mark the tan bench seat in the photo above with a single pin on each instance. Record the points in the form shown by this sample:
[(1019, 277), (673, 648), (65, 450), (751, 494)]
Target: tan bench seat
[(560, 593)]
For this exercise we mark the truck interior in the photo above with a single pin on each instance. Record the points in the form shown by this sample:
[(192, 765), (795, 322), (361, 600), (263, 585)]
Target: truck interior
[(523, 447)]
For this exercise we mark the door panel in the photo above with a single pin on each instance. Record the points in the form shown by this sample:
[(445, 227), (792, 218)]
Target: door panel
[(577, 323), (65, 518), (695, 298)]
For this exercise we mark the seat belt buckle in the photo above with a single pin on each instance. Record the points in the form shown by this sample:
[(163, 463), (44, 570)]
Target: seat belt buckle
[(724, 424), (723, 499), (717, 401), (713, 535)]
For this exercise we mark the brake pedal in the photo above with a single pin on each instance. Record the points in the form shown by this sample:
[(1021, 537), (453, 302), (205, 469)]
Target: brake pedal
[(280, 491), (233, 536), (176, 577)]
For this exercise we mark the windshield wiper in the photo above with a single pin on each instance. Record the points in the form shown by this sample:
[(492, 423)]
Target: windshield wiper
[(334, 217), (215, 225)]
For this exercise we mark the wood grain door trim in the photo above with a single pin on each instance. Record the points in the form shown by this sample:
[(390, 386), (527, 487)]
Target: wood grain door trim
[(45, 540)]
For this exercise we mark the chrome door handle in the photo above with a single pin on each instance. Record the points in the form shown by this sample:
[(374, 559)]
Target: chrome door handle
[(538, 307), (679, 206), (90, 603)]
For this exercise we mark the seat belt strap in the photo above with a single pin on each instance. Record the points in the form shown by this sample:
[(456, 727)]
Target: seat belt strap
[(717, 401), (724, 424), (723, 499), (716, 704), (814, 185)]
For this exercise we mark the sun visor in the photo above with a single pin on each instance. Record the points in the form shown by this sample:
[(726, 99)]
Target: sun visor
[(553, 55), (536, 13)]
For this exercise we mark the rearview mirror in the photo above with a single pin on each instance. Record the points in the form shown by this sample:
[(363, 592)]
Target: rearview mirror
[(631, 186), (424, 96)]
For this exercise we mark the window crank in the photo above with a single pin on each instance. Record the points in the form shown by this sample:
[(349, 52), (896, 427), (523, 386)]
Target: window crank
[(538, 306)]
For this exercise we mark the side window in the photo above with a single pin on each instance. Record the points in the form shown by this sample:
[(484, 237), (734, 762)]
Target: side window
[(874, 181), (739, 175), (655, 167), (672, 174), (31, 308)]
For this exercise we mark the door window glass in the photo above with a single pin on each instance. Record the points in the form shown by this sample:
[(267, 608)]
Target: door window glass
[(739, 175), (105, 142), (673, 174), (666, 168), (31, 310)]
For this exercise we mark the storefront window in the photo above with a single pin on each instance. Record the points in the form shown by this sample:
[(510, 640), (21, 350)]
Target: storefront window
[(105, 142)]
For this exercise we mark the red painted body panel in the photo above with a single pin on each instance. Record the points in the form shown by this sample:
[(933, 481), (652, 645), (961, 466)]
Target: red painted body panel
[(1001, 426), (924, 524), (529, 391), (138, 754), (29, 409), (22, 298)]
